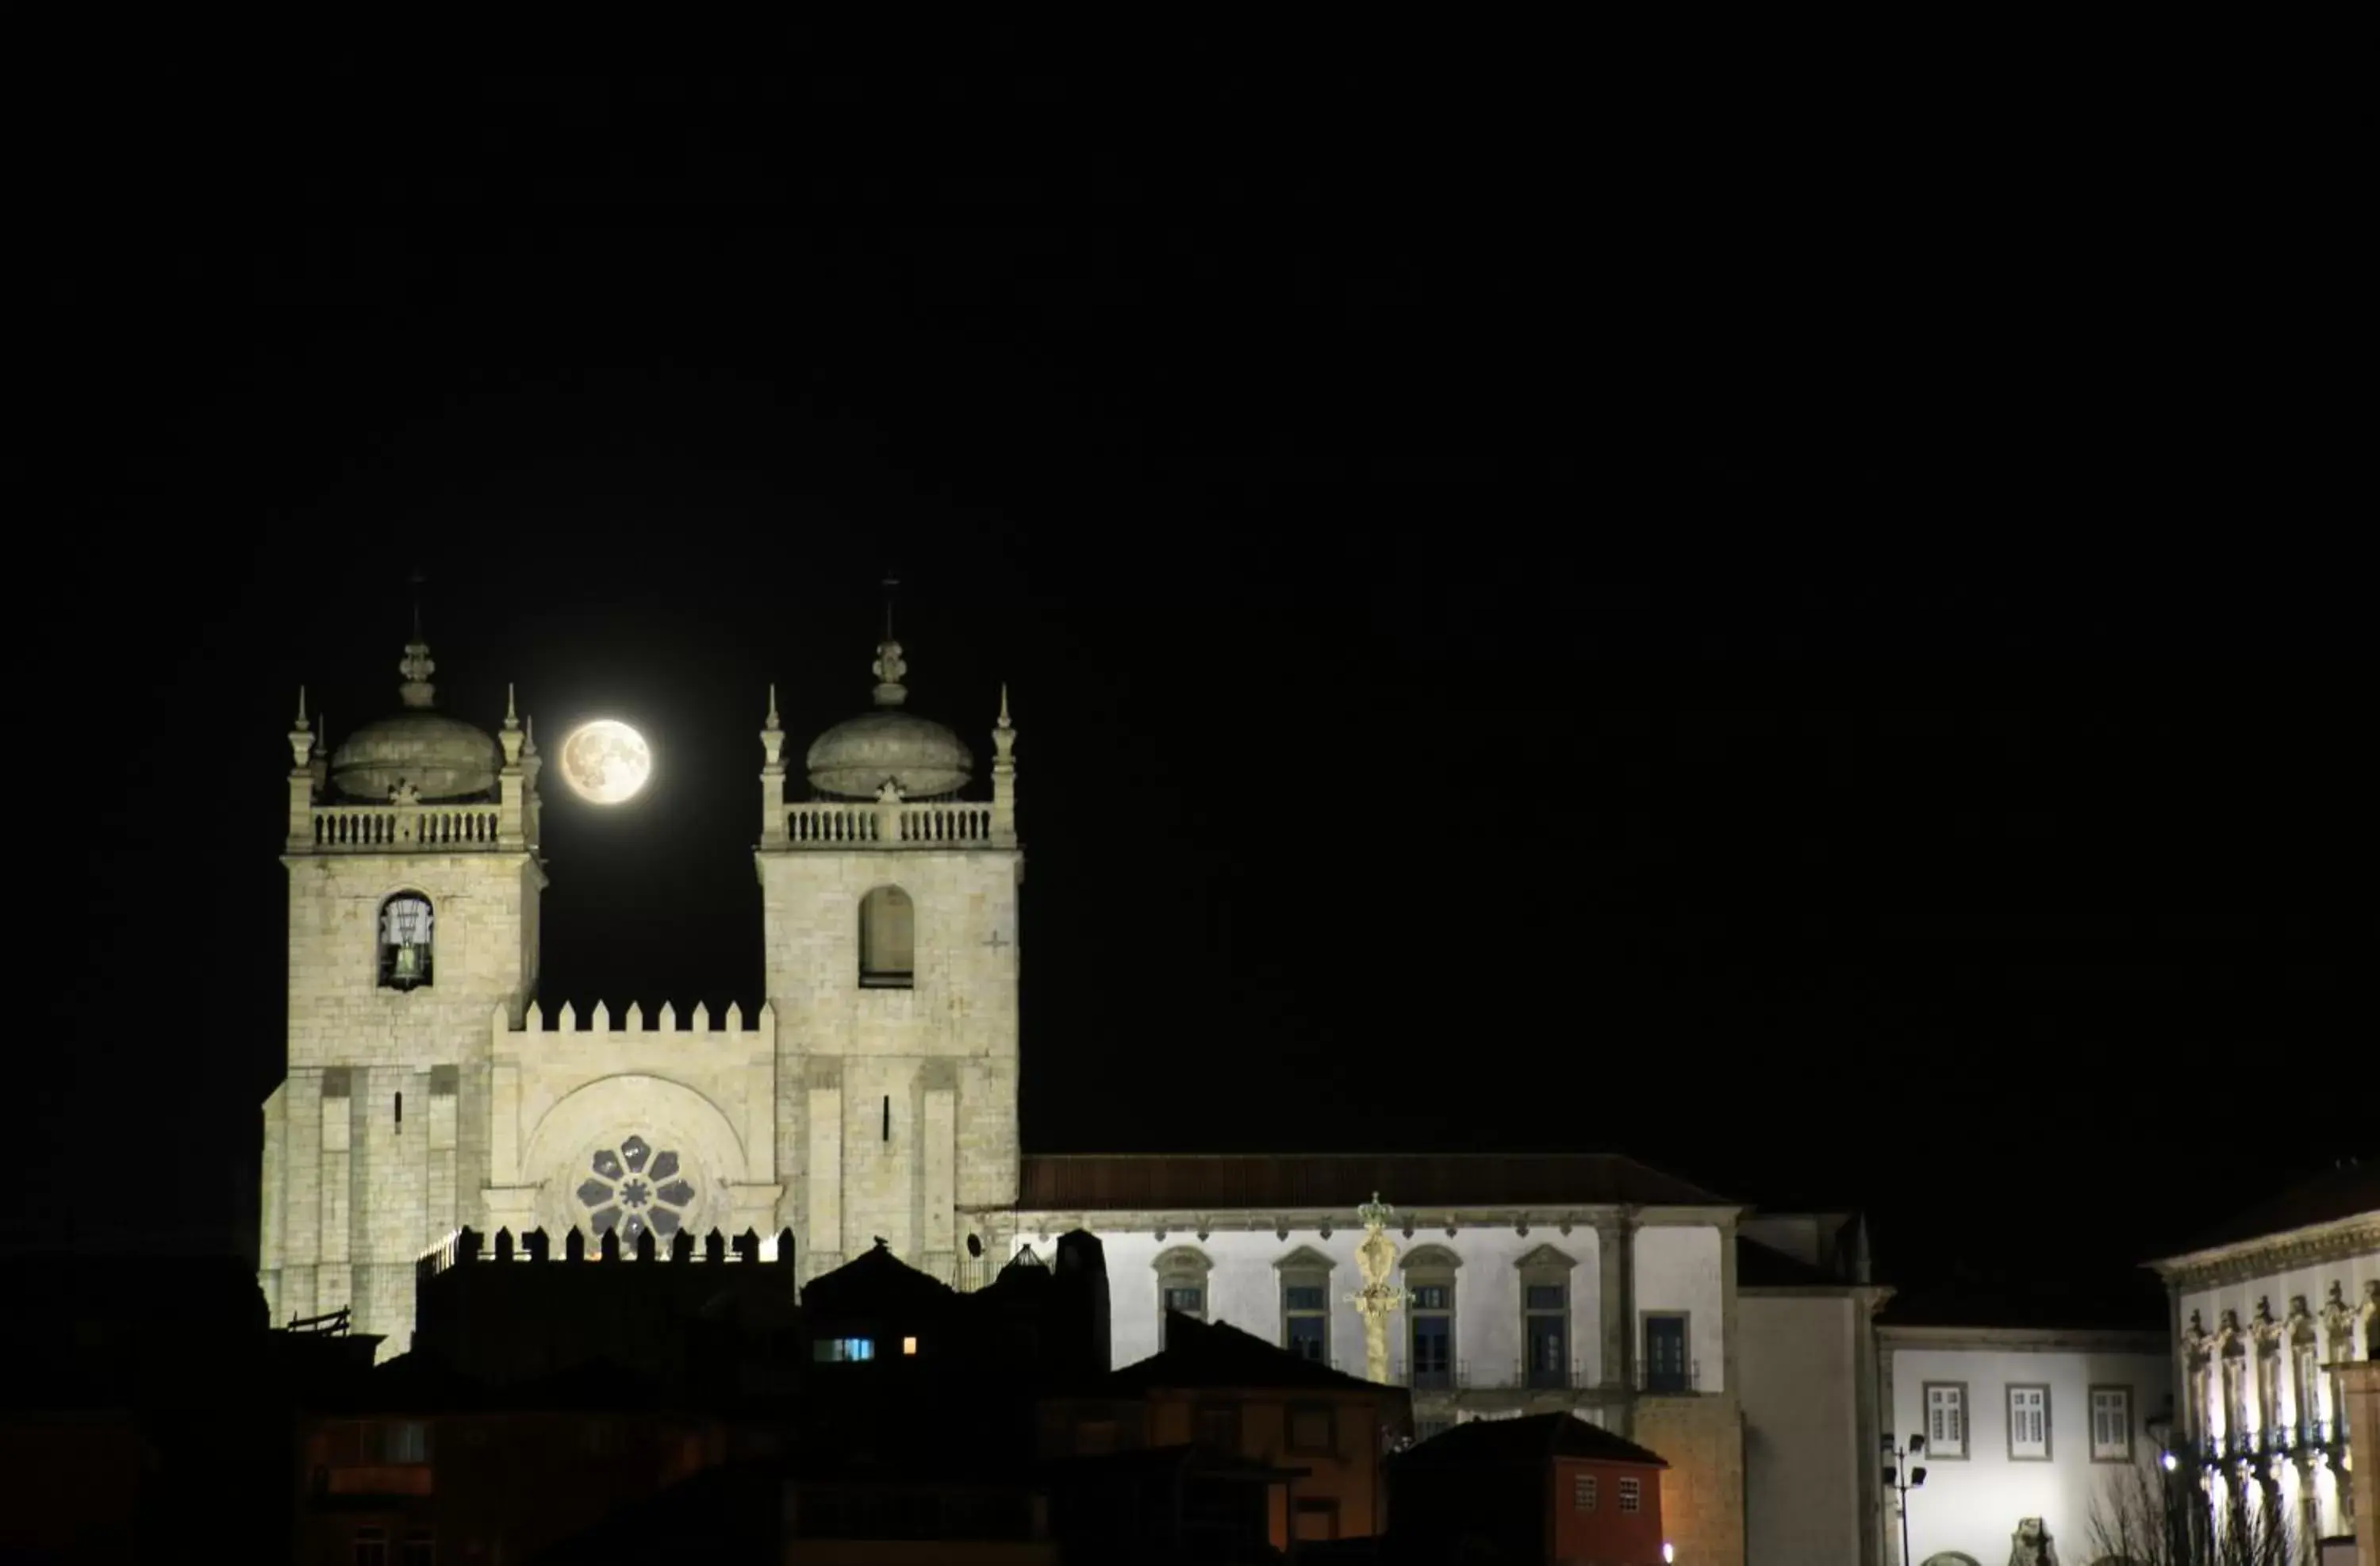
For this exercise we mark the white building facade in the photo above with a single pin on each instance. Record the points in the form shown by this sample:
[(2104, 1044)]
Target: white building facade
[(2265, 1315), (2025, 1430)]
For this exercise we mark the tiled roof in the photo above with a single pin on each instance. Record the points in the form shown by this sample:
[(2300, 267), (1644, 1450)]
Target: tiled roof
[(1218, 1181), (1535, 1438), (2346, 1192), (1214, 1353)]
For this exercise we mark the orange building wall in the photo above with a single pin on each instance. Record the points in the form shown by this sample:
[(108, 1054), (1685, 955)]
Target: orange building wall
[(1605, 1536)]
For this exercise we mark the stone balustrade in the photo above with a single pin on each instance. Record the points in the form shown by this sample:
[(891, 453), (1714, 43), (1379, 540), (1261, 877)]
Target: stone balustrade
[(378, 829), (908, 824)]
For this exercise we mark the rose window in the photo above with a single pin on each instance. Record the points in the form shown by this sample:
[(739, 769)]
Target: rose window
[(633, 1189)]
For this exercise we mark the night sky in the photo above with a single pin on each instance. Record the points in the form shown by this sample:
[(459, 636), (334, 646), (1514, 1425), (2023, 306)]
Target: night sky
[(1819, 650)]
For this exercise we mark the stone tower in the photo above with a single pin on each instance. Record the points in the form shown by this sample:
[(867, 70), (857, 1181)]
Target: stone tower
[(891, 960), (414, 880)]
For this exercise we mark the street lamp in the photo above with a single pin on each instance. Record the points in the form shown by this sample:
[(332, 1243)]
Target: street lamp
[(1900, 1478)]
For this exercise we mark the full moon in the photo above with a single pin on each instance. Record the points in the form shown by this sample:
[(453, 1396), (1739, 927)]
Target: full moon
[(605, 761)]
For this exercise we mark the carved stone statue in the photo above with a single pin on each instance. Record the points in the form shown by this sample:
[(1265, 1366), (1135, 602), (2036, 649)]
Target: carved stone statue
[(1376, 1259), (2031, 1544)]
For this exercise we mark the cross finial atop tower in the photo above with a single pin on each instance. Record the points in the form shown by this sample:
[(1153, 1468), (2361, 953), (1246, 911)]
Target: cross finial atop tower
[(889, 667)]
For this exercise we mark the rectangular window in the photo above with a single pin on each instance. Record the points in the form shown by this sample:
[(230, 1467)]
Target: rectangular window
[(1631, 1494), (420, 1549), (1310, 1428), (1218, 1426), (1190, 1299), (1546, 1323), (406, 1441), (2111, 1424), (843, 1351), (1429, 1296), (1433, 1350), (1666, 1369), (1318, 1518), (2028, 1416), (1946, 1419), (371, 1546), (1305, 1320), (1425, 1428), (1581, 1492)]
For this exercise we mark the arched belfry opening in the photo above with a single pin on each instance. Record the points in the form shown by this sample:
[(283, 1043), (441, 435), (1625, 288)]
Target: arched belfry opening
[(405, 947), (887, 939)]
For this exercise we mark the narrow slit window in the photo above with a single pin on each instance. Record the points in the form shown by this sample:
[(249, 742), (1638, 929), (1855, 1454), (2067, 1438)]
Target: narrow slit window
[(888, 1117), (400, 1112)]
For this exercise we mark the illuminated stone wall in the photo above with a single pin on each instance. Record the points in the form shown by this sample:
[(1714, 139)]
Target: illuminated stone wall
[(896, 1108), (1701, 1490), (375, 1145)]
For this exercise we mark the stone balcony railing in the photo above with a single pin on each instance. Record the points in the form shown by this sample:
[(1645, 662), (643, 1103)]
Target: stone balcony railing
[(377, 828), (928, 824)]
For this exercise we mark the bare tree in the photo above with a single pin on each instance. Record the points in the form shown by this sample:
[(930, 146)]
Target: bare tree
[(2143, 1516)]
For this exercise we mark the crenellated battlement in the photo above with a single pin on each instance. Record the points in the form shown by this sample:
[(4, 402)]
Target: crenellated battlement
[(566, 1022), (467, 1245)]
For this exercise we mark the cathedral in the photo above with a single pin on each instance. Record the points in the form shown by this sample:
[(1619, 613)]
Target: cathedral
[(429, 1087)]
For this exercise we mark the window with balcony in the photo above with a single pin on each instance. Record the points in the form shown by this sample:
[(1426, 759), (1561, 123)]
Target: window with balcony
[(1544, 1318), (2111, 1424), (1306, 1303), (2028, 1424), (1429, 1315), (1946, 1419), (1667, 1369)]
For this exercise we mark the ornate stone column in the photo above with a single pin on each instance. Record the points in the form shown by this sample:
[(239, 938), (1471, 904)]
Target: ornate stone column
[(1376, 1259)]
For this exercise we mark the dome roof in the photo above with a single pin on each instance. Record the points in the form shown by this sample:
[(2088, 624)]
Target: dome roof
[(920, 757), (436, 756)]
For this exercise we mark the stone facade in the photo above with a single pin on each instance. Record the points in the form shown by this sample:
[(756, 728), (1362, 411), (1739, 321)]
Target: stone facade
[(854, 1105)]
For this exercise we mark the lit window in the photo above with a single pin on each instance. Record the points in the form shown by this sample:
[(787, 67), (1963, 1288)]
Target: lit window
[(2111, 1424), (908, 1345), (404, 921), (1581, 1492), (1946, 1419), (887, 939), (2028, 1431), (843, 1351), (1631, 1494)]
